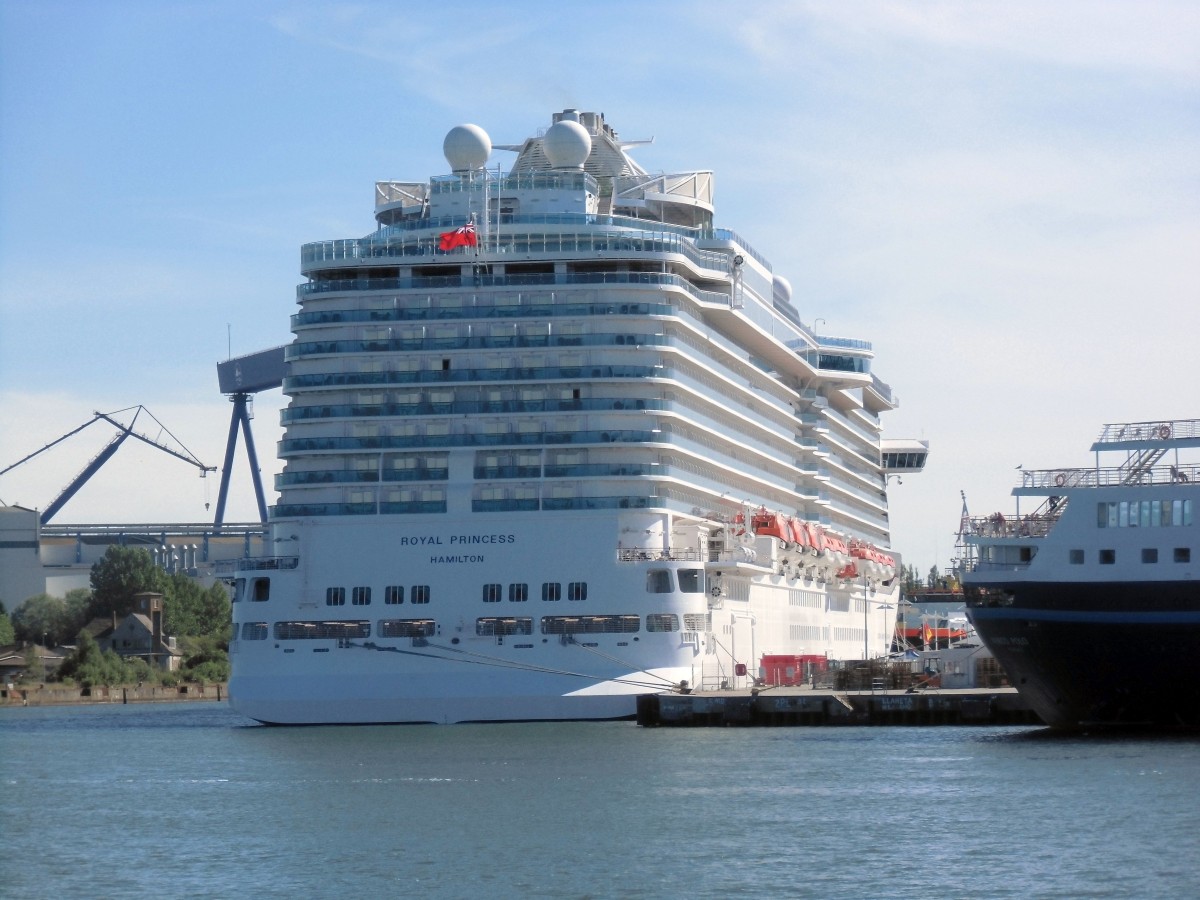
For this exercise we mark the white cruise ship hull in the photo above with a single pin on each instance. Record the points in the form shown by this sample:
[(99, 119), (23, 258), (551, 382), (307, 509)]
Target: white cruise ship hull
[(555, 441)]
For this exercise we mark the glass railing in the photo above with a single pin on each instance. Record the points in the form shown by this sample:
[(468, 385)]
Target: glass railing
[(426, 314), (299, 510), (291, 479), (445, 376), (293, 446), (472, 342), (661, 279), (616, 235), (464, 407)]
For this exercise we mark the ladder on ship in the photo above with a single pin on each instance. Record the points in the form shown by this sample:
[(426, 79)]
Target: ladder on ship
[(1139, 463), (605, 202)]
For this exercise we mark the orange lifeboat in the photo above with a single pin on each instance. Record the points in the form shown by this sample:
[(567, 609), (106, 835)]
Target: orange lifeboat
[(772, 524), (799, 533)]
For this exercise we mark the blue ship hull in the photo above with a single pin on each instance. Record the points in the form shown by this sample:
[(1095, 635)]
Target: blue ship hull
[(1098, 655)]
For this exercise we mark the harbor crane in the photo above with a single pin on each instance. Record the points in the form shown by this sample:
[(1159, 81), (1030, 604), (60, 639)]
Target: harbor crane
[(125, 431)]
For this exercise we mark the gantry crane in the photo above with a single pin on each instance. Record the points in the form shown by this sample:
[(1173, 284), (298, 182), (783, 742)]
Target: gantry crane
[(104, 455)]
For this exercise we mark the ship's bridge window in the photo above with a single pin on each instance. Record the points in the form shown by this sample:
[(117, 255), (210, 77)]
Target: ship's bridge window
[(662, 622), (691, 581), (658, 581)]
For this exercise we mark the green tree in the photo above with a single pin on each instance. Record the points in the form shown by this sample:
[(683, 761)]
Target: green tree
[(7, 634), (189, 609), (86, 656), (935, 578), (78, 603), (42, 619), (121, 573)]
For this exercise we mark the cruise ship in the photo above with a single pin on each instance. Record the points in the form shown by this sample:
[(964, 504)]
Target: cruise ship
[(1090, 595), (554, 440)]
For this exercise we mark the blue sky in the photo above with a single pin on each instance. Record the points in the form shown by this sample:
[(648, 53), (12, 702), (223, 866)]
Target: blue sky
[(1001, 196)]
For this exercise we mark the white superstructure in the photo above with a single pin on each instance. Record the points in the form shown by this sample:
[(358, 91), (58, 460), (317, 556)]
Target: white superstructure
[(526, 477)]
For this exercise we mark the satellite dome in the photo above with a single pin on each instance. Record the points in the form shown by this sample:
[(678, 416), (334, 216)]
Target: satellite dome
[(467, 147), (782, 289), (567, 145)]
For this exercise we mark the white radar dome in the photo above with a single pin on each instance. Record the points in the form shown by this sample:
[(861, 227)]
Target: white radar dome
[(467, 147), (782, 288), (567, 145)]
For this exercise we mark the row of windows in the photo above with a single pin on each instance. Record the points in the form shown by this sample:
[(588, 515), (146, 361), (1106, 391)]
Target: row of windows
[(1144, 513), (361, 596), (519, 592), (1149, 555), (488, 626), (658, 581)]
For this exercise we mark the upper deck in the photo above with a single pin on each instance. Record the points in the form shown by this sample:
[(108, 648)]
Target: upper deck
[(1152, 456)]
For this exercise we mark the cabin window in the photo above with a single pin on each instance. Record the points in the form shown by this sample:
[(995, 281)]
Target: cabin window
[(551, 591), (1149, 554), (406, 628), (662, 622), (518, 593), (254, 631), (658, 581), (260, 589), (335, 596), (361, 596), (1183, 554), (492, 593), (1076, 558), (393, 594), (318, 631), (501, 626), (1108, 557), (577, 590), (239, 590), (420, 593), (691, 581)]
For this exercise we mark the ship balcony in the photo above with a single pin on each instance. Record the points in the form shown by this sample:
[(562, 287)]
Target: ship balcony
[(467, 407), (322, 381), (528, 307), (290, 447), (562, 279), (472, 342), (327, 477)]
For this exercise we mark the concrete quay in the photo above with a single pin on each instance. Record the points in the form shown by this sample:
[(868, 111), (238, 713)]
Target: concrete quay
[(796, 706)]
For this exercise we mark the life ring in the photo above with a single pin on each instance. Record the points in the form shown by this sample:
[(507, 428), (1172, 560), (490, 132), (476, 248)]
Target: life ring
[(716, 591), (1060, 479), (1164, 431)]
